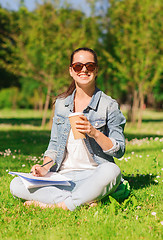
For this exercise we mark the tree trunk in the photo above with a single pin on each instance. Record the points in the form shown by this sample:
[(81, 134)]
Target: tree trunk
[(46, 105), (40, 105), (40, 102), (129, 102), (141, 106), (51, 117), (134, 107)]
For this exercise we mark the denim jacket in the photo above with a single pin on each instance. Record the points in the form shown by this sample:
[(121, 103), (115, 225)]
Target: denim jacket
[(102, 112)]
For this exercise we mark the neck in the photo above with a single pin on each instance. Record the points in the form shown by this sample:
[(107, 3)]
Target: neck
[(84, 92), (82, 98)]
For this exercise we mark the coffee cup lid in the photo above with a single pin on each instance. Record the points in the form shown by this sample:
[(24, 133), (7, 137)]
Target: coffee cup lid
[(75, 114)]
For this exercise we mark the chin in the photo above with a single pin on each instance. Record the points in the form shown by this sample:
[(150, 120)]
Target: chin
[(85, 83)]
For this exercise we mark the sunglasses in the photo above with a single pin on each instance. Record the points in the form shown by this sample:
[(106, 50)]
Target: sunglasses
[(90, 66)]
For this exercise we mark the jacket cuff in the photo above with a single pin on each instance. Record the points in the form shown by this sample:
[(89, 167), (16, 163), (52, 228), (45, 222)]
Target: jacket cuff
[(114, 149), (51, 154)]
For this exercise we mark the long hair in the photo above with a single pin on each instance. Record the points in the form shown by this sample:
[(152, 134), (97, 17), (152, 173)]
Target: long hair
[(72, 85)]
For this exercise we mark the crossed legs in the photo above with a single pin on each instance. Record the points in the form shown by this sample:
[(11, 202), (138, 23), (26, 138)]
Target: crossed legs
[(87, 186)]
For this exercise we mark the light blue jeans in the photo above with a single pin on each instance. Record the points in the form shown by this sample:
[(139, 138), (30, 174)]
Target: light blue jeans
[(86, 186)]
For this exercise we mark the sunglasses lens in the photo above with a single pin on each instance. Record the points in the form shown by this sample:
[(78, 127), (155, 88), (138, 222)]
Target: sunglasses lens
[(90, 67), (77, 67)]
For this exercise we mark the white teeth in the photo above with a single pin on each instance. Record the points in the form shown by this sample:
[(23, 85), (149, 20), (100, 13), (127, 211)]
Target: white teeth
[(84, 75)]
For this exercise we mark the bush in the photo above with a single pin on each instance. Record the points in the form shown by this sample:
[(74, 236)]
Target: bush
[(9, 98)]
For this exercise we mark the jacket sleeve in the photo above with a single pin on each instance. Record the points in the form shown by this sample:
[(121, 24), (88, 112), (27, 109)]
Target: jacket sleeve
[(52, 147), (116, 122)]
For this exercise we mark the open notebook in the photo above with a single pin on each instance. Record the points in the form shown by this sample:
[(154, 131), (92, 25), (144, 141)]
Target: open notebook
[(51, 178)]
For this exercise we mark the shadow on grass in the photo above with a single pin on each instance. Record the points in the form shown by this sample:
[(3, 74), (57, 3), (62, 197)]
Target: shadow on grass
[(140, 181), (151, 120), (36, 142), (135, 182), (22, 121), (28, 142)]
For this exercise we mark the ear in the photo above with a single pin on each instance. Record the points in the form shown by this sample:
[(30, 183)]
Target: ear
[(96, 72), (70, 71)]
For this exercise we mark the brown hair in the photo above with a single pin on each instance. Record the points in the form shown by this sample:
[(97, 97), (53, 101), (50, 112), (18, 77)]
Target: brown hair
[(72, 86)]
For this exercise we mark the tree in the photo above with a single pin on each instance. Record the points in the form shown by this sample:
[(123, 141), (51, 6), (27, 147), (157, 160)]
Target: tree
[(7, 79), (134, 47), (43, 42), (158, 93)]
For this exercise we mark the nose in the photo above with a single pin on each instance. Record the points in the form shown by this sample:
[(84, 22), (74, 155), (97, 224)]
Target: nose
[(84, 69)]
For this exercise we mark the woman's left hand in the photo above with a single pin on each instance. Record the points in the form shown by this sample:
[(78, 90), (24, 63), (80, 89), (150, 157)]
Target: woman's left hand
[(84, 126)]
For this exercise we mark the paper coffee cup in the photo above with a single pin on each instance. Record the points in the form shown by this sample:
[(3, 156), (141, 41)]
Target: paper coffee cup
[(73, 117)]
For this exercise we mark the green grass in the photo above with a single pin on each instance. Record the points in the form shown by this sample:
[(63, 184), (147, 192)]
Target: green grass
[(22, 143)]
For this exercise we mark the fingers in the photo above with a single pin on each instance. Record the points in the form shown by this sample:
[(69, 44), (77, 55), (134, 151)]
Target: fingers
[(83, 121), (85, 126), (83, 117), (36, 170)]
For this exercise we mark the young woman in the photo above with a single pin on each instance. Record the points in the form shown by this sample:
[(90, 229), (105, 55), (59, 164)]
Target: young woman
[(88, 162)]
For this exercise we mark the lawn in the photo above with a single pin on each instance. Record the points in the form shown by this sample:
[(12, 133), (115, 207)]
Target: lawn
[(22, 143)]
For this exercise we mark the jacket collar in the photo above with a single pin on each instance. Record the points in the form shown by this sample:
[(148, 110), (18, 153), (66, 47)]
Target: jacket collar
[(95, 99), (69, 101)]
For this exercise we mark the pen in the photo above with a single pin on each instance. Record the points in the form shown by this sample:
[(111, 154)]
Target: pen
[(44, 164)]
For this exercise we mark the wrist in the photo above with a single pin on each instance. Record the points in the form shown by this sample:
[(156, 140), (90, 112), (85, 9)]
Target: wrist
[(45, 169), (96, 134)]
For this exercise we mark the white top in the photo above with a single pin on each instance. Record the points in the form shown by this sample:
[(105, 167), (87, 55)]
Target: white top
[(77, 155)]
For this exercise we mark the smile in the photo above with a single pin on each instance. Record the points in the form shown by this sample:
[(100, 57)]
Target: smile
[(84, 75)]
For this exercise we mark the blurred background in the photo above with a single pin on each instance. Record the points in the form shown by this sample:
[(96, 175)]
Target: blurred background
[(38, 37)]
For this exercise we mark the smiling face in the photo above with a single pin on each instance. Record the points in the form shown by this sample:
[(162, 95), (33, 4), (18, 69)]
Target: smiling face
[(83, 78)]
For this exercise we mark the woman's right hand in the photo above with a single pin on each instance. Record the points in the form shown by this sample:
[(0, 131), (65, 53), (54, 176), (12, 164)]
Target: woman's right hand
[(38, 171)]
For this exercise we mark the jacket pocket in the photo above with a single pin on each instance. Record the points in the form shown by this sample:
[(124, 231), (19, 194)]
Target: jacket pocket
[(59, 120), (60, 123), (99, 124)]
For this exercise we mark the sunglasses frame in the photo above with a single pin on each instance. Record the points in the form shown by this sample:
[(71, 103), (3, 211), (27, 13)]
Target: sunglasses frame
[(84, 64)]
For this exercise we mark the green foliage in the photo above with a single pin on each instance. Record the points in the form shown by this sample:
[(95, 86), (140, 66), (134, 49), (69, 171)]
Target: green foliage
[(32, 94), (36, 46), (9, 98), (134, 45), (5, 26), (158, 91), (7, 79), (45, 39), (43, 42)]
